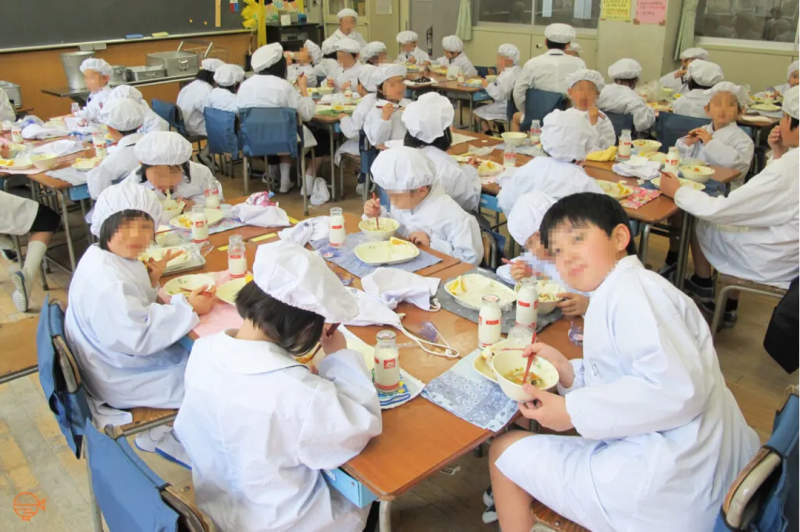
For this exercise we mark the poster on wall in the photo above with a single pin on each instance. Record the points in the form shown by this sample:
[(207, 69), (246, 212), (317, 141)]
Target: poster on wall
[(619, 10), (651, 12)]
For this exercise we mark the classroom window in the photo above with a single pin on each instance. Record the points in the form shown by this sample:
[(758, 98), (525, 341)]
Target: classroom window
[(750, 20), (578, 13)]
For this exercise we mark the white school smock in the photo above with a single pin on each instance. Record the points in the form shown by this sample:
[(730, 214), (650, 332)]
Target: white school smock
[(124, 342), (341, 76), (459, 181), (661, 436), (222, 99), (325, 67), (692, 103), (91, 113), (500, 91), (669, 81), (259, 427), (730, 147), (7, 112), (354, 35), (621, 99), (753, 233), (192, 102), (118, 165), (271, 91), (547, 72), (420, 55), (16, 214), (380, 131), (295, 70), (152, 122), (193, 189), (461, 61), (606, 136), (351, 126), (555, 178)]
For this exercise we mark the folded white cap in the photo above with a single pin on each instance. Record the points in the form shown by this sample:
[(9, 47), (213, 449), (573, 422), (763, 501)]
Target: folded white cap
[(585, 74), (266, 56), (228, 75), (393, 286), (527, 214), (314, 51), (125, 91), (327, 46), (346, 13), (791, 102), (123, 197), (694, 53), (163, 148), (98, 65), (429, 116), (568, 135), (371, 50), (347, 45), (402, 169), (793, 67), (123, 114), (625, 69), (559, 33), (705, 73), (452, 43), (211, 64), (574, 47), (510, 51), (366, 76), (386, 71), (405, 37), (300, 278), (727, 86)]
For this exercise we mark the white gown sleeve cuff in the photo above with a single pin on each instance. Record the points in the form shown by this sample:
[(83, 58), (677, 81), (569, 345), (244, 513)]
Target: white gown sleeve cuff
[(442, 246), (577, 368)]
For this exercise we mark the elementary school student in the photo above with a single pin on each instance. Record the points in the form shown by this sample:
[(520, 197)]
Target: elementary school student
[(227, 78), (427, 215), (152, 122), (454, 56), (793, 76), (384, 121), (702, 76), (584, 87), (304, 61), (573, 49), (678, 80), (567, 137), (374, 53), (500, 90), (192, 98), (409, 51), (620, 96), (660, 436), (753, 233), (125, 342), (346, 76), (327, 64), (96, 75), (351, 125), (268, 475), (428, 121), (348, 19)]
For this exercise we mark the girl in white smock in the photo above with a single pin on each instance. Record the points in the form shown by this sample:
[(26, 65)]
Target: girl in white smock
[(409, 51), (373, 54), (384, 121), (500, 89), (192, 98), (228, 79), (583, 88), (351, 125), (327, 64), (620, 96), (304, 62), (345, 77), (124, 117), (96, 75)]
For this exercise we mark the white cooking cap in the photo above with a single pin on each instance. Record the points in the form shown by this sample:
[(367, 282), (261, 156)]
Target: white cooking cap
[(366, 76), (347, 45), (510, 51), (371, 50), (568, 135), (694, 53), (727, 86), (266, 56), (559, 33), (229, 75), (98, 65), (705, 73), (429, 116), (625, 69), (163, 148), (402, 169), (793, 67), (123, 197), (211, 64), (585, 74), (386, 71), (125, 91), (791, 102), (314, 51), (327, 46), (347, 13), (574, 47), (405, 37), (123, 114), (527, 214), (301, 279), (452, 43)]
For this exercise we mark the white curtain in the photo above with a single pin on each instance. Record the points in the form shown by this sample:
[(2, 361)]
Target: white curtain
[(464, 25), (686, 29)]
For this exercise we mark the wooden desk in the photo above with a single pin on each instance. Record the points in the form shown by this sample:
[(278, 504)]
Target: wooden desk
[(19, 356)]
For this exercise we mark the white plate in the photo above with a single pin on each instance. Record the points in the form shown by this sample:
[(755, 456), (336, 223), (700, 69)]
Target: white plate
[(476, 286), (85, 165), (188, 282), (684, 183), (617, 191), (20, 163), (393, 251), (158, 254), (229, 290), (765, 107), (214, 216), (489, 169)]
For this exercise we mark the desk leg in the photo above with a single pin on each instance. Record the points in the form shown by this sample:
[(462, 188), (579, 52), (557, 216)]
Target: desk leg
[(65, 217), (471, 115), (385, 517), (332, 130), (644, 242), (683, 252)]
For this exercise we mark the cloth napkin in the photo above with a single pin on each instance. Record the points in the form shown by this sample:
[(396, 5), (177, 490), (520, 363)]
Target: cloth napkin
[(410, 387), (60, 148), (37, 132), (71, 175), (393, 286), (458, 138), (640, 196), (307, 230), (261, 216), (647, 171), (608, 154)]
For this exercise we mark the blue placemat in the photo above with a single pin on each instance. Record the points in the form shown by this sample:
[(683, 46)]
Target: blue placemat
[(346, 258), (470, 396)]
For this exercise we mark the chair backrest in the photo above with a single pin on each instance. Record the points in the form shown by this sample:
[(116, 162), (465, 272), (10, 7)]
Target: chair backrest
[(221, 132), (321, 80), (483, 71), (511, 108), (166, 110), (368, 153), (269, 131), (539, 104), (59, 377), (670, 127), (620, 121)]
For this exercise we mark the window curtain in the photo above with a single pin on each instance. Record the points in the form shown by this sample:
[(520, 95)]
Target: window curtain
[(686, 29), (464, 25)]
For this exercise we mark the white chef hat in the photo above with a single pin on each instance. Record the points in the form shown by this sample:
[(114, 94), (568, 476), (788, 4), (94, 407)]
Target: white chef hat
[(327, 46), (125, 91), (567, 135), (705, 73), (123, 114), (347, 13), (452, 43), (588, 75), (266, 56), (405, 37), (625, 69), (123, 197), (793, 67), (791, 102), (98, 65), (229, 75), (574, 47), (211, 64), (371, 50), (314, 51), (347, 45), (428, 117), (559, 33), (300, 278), (163, 148), (526, 216), (727, 86), (694, 53), (510, 51), (366, 76), (386, 71), (402, 169)]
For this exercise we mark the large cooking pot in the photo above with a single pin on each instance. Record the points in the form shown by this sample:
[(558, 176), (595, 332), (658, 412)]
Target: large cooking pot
[(72, 68)]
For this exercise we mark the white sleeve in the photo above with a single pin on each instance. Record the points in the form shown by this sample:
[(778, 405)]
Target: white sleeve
[(521, 88), (669, 81), (443, 61), (579, 382), (685, 151), (738, 154), (305, 106), (643, 115), (468, 188), (351, 125), (378, 130), (605, 131), (100, 178), (343, 413), (466, 66), (7, 112), (463, 241)]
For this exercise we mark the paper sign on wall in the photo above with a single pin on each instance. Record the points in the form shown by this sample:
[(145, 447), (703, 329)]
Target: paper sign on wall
[(651, 12), (619, 10)]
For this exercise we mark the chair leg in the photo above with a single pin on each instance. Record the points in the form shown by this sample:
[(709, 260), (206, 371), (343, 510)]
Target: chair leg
[(719, 309), (246, 175), (385, 517), (302, 166)]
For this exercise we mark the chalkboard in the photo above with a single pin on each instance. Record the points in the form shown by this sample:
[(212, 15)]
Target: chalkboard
[(27, 23)]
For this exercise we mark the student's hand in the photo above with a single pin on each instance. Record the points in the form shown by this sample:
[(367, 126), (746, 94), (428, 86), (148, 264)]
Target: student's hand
[(474, 162), (346, 86), (549, 409), (155, 268), (485, 83), (330, 82), (372, 208), (669, 184), (594, 112), (333, 343), (420, 238), (566, 373), (387, 111), (691, 140), (520, 269), (775, 142), (573, 304), (703, 135), (5, 151), (202, 299), (189, 203), (412, 60), (680, 73)]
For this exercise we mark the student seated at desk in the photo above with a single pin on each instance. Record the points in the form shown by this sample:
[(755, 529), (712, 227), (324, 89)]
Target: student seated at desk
[(454, 56), (7, 112), (661, 437), (753, 233), (373, 54), (620, 96), (152, 122), (573, 49), (348, 20), (192, 98), (409, 51), (125, 342), (702, 76), (303, 61), (346, 75), (793, 75), (96, 75), (351, 125), (567, 137), (584, 87), (428, 121), (500, 90), (328, 63), (267, 474), (427, 215), (384, 121), (678, 80), (228, 78)]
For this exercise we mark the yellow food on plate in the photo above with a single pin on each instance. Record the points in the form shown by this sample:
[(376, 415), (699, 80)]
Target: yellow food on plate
[(459, 287), (548, 298)]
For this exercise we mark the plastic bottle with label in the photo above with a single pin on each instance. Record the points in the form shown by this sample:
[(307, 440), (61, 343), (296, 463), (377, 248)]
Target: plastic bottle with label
[(535, 132), (489, 321), (527, 303), (348, 97), (16, 133), (509, 157), (337, 233), (212, 194), (237, 258), (98, 137), (625, 145), (672, 161), (386, 375), (199, 224)]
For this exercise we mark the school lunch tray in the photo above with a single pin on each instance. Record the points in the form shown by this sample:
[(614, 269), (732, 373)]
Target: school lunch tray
[(449, 303), (196, 263)]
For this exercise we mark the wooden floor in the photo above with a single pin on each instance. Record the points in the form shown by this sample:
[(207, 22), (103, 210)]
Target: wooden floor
[(34, 457)]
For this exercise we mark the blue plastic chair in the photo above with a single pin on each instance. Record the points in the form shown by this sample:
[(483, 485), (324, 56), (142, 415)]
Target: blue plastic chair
[(222, 137), (511, 108), (670, 127), (620, 121), (168, 111), (539, 104), (483, 71), (368, 155)]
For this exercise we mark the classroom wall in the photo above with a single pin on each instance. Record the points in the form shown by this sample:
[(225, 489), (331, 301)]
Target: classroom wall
[(758, 68)]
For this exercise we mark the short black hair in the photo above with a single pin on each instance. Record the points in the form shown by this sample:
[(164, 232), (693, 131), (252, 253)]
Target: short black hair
[(142, 171), (795, 122), (294, 329), (555, 45), (207, 76), (374, 60), (232, 88), (630, 82), (278, 69), (443, 143), (112, 224), (126, 133), (380, 94), (694, 85), (586, 208), (331, 55)]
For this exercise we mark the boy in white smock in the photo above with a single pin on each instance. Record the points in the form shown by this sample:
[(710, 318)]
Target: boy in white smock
[(454, 56), (678, 80), (702, 76), (620, 96), (500, 89), (409, 51), (384, 121), (96, 75), (228, 79), (583, 88), (124, 117)]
